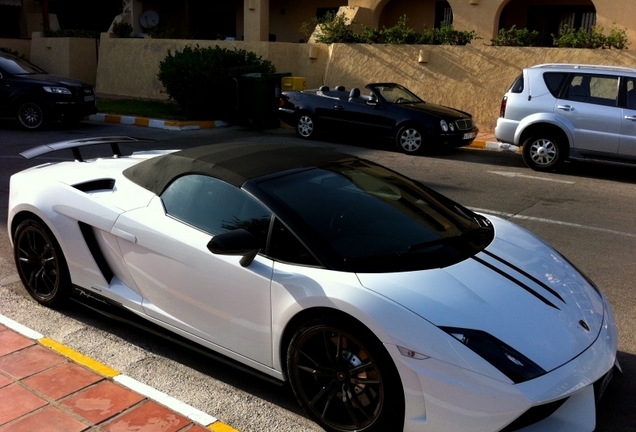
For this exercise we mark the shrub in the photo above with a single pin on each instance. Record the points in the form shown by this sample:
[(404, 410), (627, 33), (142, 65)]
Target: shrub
[(12, 52), (515, 37), (122, 29), (336, 29), (202, 80), (569, 37), (161, 31), (400, 33), (72, 33), (447, 35)]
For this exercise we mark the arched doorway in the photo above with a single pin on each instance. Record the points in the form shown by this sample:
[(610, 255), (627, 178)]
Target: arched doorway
[(548, 16), (420, 14)]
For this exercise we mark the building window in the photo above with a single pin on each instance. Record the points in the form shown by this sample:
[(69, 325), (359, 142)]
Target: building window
[(443, 14)]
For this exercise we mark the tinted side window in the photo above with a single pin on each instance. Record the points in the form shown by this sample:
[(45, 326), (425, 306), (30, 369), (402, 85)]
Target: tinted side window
[(594, 89), (214, 206), (285, 246), (630, 88), (517, 86), (554, 80)]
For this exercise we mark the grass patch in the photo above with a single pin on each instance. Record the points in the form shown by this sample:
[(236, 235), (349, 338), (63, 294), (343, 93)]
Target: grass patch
[(140, 108)]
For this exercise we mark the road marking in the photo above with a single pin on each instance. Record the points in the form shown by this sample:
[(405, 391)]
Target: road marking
[(70, 353), (197, 416), (551, 221), (512, 174), (166, 400)]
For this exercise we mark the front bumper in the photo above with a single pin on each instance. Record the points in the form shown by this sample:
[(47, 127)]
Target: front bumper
[(456, 139), (441, 397)]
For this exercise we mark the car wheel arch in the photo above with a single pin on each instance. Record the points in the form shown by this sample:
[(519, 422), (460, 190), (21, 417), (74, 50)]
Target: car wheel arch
[(317, 320), (21, 217), (548, 129)]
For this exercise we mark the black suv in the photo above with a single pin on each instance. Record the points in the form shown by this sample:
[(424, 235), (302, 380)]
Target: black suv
[(36, 97)]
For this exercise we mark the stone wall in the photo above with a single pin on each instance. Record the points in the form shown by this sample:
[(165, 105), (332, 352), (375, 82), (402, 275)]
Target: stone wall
[(471, 78)]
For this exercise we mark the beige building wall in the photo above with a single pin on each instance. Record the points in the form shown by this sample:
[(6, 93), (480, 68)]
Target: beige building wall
[(71, 57)]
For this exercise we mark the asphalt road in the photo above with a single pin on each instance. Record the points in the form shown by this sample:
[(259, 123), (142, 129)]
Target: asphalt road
[(588, 212)]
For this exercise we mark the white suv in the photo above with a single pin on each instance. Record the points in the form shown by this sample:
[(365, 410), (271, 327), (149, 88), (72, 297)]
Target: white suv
[(569, 111)]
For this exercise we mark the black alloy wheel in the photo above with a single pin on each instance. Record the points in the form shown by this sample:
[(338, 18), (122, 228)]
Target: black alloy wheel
[(345, 382), (31, 115), (41, 264), (542, 153), (409, 140), (305, 126)]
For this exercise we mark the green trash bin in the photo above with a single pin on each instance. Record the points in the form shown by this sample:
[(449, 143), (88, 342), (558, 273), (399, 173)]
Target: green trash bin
[(258, 99)]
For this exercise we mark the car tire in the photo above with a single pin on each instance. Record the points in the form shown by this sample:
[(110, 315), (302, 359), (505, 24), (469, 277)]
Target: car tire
[(31, 115), (325, 367), (305, 126), (409, 140), (542, 153), (41, 263)]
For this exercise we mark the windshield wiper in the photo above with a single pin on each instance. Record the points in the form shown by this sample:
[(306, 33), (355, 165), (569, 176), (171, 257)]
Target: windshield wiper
[(467, 236)]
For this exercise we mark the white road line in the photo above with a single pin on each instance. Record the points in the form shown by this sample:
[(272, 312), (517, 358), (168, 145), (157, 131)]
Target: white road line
[(166, 400), (23, 330), (513, 174), (551, 221)]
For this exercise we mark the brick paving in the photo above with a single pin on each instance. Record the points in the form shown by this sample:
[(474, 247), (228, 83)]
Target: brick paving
[(43, 391)]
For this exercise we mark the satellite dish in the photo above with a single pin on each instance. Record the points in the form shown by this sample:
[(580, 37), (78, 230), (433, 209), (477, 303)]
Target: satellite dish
[(149, 19)]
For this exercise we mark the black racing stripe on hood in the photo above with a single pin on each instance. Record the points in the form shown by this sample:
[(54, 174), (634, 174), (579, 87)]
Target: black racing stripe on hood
[(516, 281), (529, 276)]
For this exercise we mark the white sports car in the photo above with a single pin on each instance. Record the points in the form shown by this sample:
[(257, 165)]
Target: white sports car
[(384, 304)]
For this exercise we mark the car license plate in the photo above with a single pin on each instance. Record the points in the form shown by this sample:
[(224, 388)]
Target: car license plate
[(89, 98), (469, 135)]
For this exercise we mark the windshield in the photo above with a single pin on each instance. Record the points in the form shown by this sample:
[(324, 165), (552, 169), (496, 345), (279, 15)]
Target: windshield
[(17, 66), (376, 220), (396, 94)]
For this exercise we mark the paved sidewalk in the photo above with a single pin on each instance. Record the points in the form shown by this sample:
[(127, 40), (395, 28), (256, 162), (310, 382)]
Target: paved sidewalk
[(47, 387)]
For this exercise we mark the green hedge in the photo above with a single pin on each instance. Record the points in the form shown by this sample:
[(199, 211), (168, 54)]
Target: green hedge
[(202, 80)]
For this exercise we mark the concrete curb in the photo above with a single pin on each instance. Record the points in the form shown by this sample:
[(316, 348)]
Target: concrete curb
[(157, 123), (495, 146), (199, 417)]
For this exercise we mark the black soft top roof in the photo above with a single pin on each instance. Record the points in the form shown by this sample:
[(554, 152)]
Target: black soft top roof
[(234, 162)]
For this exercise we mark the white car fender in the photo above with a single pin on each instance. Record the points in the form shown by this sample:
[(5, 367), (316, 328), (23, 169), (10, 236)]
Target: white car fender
[(562, 123)]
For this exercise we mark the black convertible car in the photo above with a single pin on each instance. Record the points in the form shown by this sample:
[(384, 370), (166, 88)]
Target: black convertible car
[(388, 109)]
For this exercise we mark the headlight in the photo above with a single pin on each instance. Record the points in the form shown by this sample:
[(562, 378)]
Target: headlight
[(506, 359), (443, 125), (451, 126), (57, 90)]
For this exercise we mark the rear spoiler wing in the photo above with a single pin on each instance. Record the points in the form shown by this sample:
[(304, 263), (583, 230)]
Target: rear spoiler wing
[(75, 145)]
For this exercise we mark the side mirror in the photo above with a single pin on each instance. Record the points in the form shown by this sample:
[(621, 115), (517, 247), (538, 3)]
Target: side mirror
[(372, 102), (236, 242)]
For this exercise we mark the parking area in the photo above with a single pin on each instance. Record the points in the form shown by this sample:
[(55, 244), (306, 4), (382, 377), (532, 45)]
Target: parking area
[(585, 211)]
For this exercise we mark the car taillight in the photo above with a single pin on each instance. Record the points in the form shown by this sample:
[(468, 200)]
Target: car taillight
[(502, 110)]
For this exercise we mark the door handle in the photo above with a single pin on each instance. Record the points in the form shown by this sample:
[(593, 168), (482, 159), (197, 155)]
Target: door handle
[(338, 108), (633, 118), (565, 107)]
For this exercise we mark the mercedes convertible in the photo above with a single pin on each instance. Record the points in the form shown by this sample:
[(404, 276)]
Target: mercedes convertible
[(385, 305), (388, 110)]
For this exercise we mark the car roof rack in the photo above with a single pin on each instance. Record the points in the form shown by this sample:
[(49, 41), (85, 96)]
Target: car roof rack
[(585, 66), (75, 145)]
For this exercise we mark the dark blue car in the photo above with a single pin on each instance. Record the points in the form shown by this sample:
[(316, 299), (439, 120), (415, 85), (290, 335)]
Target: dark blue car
[(388, 109), (35, 97)]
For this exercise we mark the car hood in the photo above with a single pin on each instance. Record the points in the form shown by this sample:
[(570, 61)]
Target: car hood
[(519, 290), (48, 79), (436, 110)]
